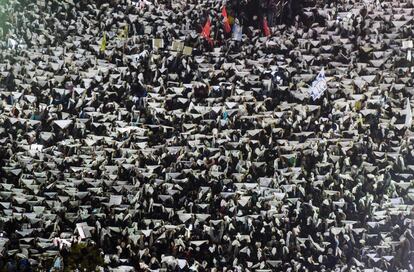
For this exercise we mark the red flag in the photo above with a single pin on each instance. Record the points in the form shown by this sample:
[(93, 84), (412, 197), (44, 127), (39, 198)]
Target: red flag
[(227, 27), (206, 31), (266, 29)]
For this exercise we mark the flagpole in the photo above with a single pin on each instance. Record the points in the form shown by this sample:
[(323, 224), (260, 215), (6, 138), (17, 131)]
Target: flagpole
[(215, 36)]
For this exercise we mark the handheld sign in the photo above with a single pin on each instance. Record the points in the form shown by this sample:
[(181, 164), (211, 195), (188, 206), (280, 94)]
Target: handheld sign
[(157, 43), (177, 46), (188, 51), (318, 86), (407, 44)]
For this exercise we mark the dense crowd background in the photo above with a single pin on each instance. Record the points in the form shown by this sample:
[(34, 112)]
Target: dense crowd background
[(116, 155)]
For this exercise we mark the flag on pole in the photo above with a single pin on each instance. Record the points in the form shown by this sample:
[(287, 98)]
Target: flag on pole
[(103, 43), (206, 31), (266, 29), (226, 23), (408, 114)]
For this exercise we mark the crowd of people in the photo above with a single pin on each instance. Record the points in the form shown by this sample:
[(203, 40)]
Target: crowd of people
[(144, 136)]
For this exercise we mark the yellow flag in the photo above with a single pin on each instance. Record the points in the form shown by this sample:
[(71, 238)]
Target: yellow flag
[(231, 19), (124, 33), (358, 105), (360, 120), (103, 43)]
